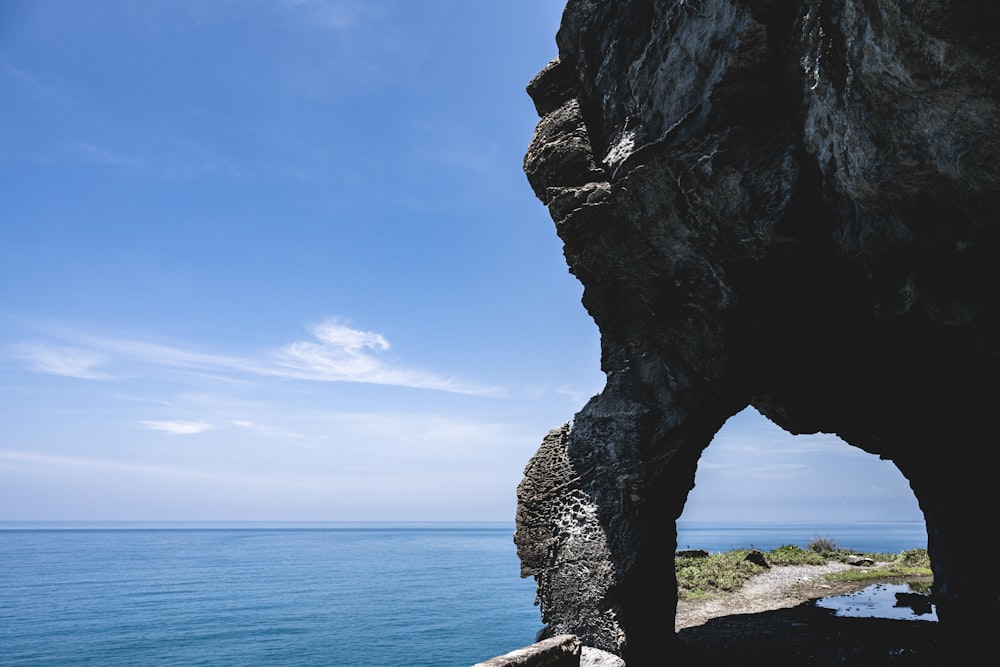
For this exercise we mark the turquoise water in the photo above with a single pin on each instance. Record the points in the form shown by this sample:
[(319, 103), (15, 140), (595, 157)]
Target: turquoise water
[(364, 595), (361, 596)]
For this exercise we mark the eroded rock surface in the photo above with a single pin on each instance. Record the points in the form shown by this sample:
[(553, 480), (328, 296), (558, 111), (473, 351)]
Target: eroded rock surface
[(785, 204)]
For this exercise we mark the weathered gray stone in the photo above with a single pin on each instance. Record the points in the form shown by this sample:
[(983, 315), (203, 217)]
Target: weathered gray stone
[(595, 657), (791, 205)]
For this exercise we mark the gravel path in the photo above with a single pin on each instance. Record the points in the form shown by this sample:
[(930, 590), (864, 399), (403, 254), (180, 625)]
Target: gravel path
[(780, 587)]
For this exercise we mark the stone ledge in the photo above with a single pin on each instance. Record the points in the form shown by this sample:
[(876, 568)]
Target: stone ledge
[(559, 651)]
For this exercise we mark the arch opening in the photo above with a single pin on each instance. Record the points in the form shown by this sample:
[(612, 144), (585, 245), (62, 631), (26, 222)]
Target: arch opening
[(759, 487), (754, 471)]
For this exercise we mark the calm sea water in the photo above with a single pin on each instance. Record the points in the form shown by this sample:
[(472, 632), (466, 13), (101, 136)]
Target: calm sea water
[(376, 596), (365, 595), (862, 536)]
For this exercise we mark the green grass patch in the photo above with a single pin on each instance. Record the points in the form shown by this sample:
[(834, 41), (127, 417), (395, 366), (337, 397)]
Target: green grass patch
[(717, 573), (909, 563)]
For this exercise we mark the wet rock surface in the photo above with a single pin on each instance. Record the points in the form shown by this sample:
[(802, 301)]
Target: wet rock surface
[(791, 205)]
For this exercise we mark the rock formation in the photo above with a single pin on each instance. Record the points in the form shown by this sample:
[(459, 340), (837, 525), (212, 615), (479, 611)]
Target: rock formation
[(789, 204)]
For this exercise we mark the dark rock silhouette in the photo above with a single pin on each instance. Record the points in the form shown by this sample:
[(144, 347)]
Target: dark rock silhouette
[(791, 205), (919, 603)]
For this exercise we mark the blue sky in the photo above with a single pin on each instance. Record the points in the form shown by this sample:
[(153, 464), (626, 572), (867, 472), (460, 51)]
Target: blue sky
[(277, 260)]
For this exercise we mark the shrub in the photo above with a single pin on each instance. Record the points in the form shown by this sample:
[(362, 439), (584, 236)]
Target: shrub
[(914, 558), (822, 545)]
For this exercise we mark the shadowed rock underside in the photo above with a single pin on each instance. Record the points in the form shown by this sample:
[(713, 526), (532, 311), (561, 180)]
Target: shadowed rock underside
[(784, 204)]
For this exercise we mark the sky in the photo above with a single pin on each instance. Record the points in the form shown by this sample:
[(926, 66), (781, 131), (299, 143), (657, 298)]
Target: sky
[(276, 260)]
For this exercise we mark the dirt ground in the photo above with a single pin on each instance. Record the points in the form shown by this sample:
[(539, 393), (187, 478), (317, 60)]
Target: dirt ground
[(773, 621)]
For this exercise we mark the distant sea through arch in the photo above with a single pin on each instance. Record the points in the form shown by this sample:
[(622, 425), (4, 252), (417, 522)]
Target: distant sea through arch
[(860, 536)]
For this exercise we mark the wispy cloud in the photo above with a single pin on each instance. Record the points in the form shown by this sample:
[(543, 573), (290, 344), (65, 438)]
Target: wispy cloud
[(35, 84), (421, 430), (341, 354), (61, 360), (34, 458), (777, 471), (174, 159), (177, 427), (268, 431), (334, 353), (760, 471), (576, 395)]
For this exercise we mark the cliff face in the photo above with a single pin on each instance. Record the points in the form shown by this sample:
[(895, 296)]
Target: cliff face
[(785, 204)]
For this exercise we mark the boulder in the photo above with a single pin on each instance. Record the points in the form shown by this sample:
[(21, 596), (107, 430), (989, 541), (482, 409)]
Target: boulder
[(757, 558)]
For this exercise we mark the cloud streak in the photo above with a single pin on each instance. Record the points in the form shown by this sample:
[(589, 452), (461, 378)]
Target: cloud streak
[(177, 427), (32, 458), (335, 353), (67, 361), (35, 84)]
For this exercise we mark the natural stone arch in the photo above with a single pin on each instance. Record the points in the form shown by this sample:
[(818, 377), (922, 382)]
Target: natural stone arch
[(790, 205)]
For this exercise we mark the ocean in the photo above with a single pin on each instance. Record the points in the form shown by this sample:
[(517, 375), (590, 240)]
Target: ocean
[(363, 595), (861, 536)]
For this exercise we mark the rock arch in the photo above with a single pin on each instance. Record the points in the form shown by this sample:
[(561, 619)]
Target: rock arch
[(789, 205)]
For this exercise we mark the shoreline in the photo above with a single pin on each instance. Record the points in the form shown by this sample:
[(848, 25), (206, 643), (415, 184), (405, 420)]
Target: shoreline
[(781, 587)]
